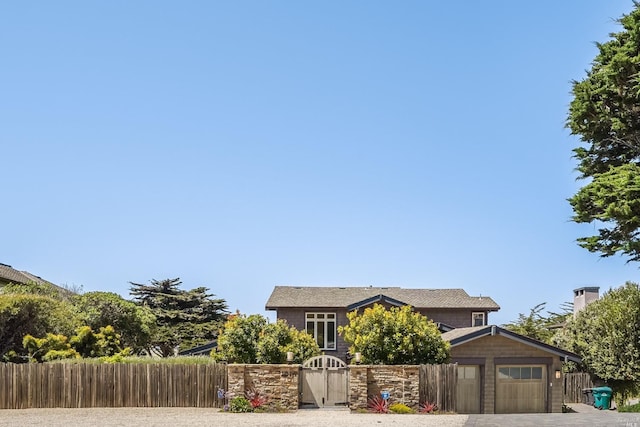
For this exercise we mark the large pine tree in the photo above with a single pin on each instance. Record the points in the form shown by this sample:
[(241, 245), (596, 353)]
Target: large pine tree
[(605, 114), (185, 318)]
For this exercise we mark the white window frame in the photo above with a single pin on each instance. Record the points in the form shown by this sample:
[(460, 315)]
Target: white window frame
[(478, 314), (325, 320)]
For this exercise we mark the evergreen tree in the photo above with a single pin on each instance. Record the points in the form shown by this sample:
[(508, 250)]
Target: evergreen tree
[(184, 318), (605, 113)]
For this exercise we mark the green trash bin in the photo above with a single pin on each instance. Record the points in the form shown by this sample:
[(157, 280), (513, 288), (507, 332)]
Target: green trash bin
[(602, 397)]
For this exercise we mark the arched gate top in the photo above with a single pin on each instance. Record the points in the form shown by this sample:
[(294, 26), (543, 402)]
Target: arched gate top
[(324, 362)]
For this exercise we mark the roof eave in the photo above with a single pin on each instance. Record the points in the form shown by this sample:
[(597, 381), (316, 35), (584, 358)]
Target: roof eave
[(496, 330)]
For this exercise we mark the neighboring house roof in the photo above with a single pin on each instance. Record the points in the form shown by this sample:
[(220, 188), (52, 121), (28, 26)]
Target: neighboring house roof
[(11, 275), (356, 297), (460, 336), (201, 350)]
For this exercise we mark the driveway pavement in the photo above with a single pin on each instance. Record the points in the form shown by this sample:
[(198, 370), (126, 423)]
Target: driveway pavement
[(598, 419), (584, 415)]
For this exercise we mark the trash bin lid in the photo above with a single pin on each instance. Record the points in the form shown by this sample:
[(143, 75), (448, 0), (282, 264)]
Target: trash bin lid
[(603, 390)]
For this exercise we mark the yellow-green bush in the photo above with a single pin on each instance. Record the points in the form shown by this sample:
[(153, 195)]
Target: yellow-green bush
[(400, 408)]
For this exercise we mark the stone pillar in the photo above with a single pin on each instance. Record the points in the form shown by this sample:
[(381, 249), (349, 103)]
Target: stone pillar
[(235, 380), (358, 389)]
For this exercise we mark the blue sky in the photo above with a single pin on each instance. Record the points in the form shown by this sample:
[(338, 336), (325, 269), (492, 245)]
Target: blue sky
[(245, 144)]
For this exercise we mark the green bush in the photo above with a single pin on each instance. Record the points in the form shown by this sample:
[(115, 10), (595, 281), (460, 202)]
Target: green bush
[(240, 404), (630, 408), (400, 408)]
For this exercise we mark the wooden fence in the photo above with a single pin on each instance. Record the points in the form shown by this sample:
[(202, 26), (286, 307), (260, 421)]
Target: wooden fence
[(110, 385), (574, 383), (438, 384)]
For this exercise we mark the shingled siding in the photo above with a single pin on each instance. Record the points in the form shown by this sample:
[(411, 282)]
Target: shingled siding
[(296, 317), (492, 350), (460, 318), (279, 383)]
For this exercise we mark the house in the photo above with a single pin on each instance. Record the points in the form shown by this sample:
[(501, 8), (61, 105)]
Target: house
[(9, 274), (320, 310), (500, 371)]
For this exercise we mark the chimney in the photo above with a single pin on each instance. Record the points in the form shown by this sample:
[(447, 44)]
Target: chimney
[(584, 296)]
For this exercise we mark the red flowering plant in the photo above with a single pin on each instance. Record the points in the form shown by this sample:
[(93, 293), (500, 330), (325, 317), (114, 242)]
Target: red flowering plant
[(428, 407), (378, 405), (255, 398)]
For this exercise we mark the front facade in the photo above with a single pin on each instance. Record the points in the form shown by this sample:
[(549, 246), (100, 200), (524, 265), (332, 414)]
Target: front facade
[(502, 372), (321, 310)]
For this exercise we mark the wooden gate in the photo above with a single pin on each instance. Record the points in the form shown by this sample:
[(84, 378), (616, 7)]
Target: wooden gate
[(324, 381)]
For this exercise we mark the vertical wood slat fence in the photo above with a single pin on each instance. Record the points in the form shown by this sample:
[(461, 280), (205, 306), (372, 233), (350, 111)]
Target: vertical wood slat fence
[(62, 385), (438, 384), (574, 383)]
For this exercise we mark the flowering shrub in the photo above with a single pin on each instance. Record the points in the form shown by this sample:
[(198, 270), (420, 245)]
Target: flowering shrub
[(255, 398)]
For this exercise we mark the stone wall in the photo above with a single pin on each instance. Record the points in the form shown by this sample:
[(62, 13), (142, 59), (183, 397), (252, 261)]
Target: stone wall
[(402, 383), (279, 383)]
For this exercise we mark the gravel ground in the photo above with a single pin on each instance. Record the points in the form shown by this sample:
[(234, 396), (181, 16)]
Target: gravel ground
[(176, 417)]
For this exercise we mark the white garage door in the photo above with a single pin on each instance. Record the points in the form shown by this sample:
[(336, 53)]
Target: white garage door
[(520, 389)]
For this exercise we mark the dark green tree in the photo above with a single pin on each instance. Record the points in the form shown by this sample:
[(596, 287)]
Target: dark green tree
[(134, 323), (606, 334), (605, 114), (184, 318)]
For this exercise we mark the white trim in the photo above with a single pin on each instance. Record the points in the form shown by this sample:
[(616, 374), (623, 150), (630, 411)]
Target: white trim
[(325, 320), (473, 318)]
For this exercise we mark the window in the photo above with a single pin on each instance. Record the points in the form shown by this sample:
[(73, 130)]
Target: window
[(467, 372), (322, 326), (478, 319), (520, 373)]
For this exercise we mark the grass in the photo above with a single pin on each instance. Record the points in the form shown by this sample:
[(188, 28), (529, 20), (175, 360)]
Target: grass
[(630, 408)]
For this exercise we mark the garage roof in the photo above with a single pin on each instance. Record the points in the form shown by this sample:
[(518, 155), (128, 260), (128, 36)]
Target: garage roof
[(463, 335)]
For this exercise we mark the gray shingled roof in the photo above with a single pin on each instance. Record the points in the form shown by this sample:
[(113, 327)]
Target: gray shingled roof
[(461, 332), (460, 336), (334, 297), (9, 274)]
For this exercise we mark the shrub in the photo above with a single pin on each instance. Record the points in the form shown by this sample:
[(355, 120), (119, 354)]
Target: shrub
[(240, 404), (428, 407), (400, 408), (630, 408), (255, 398), (378, 405)]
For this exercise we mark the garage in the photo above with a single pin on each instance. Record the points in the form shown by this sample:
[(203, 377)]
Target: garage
[(502, 372), (520, 389), (468, 393)]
